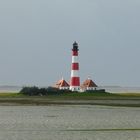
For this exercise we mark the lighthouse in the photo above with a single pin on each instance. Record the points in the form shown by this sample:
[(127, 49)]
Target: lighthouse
[(75, 79)]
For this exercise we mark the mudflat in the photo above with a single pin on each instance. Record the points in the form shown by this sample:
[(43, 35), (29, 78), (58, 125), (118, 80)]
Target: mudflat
[(69, 122)]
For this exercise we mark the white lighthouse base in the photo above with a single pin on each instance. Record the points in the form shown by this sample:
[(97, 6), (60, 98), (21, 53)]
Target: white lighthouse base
[(74, 88)]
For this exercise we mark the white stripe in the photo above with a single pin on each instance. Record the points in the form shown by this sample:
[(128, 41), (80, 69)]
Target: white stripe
[(75, 59), (74, 88), (74, 73)]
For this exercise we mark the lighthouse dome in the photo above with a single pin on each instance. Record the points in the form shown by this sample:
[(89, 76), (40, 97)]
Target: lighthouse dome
[(75, 46)]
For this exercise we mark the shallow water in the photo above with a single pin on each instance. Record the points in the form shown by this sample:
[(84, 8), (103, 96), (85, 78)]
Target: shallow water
[(80, 122)]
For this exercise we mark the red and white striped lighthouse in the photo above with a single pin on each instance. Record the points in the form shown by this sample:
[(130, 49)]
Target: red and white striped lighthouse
[(75, 79)]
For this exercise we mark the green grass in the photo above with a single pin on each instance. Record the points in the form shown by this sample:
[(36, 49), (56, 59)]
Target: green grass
[(10, 95), (77, 95), (131, 100), (94, 96), (58, 95), (82, 96), (129, 94)]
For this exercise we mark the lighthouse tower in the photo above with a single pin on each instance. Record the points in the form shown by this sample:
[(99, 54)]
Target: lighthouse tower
[(75, 79)]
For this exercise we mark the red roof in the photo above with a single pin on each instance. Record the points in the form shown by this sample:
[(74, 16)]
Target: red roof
[(88, 83), (61, 83)]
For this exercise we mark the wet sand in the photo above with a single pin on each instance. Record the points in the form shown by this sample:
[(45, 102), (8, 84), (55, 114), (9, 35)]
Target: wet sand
[(69, 122)]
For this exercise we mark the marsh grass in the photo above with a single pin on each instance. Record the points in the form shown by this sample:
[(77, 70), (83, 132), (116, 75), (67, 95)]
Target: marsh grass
[(76, 95), (106, 99), (11, 95)]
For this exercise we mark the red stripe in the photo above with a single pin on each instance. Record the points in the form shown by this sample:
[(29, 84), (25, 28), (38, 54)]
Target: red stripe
[(75, 81), (75, 66), (75, 53)]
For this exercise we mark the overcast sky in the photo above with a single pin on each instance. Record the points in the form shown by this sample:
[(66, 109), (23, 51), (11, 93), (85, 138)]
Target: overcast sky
[(36, 38)]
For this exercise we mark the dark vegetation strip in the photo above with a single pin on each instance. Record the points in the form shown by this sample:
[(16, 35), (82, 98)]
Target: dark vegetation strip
[(38, 101)]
